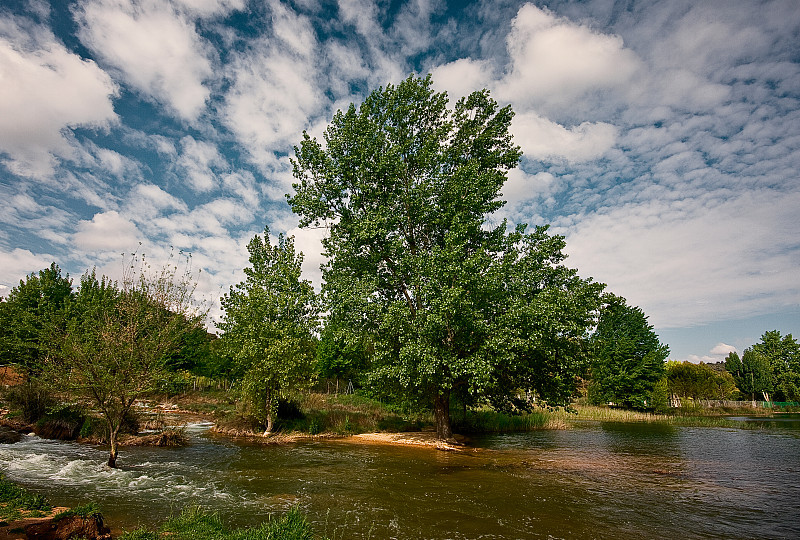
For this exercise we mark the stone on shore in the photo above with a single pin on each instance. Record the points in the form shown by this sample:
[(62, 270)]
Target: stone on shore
[(68, 528)]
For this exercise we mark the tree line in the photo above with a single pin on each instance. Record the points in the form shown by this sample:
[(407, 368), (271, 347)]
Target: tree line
[(429, 300)]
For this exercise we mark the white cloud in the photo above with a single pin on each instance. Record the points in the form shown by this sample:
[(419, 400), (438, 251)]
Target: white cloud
[(46, 90), (309, 242), (555, 62), (107, 232), (722, 349), (154, 46), (462, 77), (198, 160), (17, 263), (146, 201), (543, 139), (274, 89), (687, 262), (209, 8), (716, 354)]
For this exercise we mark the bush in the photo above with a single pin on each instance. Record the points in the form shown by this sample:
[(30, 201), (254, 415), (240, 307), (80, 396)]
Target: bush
[(31, 399), (63, 422)]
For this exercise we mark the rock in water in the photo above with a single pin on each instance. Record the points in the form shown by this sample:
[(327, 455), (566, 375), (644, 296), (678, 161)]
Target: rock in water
[(9, 436)]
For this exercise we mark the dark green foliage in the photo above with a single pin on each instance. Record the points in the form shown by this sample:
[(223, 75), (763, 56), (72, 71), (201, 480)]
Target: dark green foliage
[(447, 304), (342, 354), (770, 366), (783, 356), (628, 357), (32, 316), (63, 422), (752, 374)]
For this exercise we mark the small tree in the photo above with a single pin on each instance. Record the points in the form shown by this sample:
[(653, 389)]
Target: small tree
[(628, 357), (119, 338), (268, 326)]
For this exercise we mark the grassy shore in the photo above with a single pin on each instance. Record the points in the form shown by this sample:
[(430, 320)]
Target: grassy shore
[(343, 415), (197, 524), (16, 502)]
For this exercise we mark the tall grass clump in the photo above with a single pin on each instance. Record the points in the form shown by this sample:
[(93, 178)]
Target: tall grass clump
[(487, 421), (15, 499), (197, 524)]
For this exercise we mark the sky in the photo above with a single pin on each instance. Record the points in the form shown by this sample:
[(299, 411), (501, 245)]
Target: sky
[(661, 139)]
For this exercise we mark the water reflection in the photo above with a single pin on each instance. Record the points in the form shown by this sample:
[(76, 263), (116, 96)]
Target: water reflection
[(604, 480)]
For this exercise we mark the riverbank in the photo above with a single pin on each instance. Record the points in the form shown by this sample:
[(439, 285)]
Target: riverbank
[(360, 420)]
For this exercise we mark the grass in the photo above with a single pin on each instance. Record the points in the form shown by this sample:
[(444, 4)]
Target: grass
[(487, 421), (15, 500), (84, 511), (197, 524)]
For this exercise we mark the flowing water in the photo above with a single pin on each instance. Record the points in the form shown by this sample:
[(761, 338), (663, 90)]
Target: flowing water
[(601, 480)]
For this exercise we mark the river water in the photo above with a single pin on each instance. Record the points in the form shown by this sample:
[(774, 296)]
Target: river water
[(600, 480)]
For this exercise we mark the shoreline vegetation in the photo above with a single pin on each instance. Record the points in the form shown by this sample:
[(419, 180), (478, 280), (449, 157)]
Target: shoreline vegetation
[(357, 420), (345, 418)]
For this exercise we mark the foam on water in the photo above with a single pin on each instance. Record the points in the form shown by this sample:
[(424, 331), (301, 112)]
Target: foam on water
[(35, 461)]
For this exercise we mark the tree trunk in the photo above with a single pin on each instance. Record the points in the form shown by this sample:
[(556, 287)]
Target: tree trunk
[(441, 412), (268, 404), (112, 455), (268, 431)]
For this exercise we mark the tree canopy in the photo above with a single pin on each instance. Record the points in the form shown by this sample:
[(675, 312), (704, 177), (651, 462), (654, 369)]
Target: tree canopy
[(452, 302), (699, 381)]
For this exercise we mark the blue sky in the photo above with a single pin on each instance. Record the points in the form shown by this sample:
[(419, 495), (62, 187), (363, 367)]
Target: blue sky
[(661, 138)]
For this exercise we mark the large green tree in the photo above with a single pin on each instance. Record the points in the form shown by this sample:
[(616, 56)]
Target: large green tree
[(119, 337), (269, 324), (451, 301), (783, 355), (628, 356), (31, 317)]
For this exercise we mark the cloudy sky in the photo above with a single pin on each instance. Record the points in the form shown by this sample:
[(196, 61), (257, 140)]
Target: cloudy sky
[(661, 138)]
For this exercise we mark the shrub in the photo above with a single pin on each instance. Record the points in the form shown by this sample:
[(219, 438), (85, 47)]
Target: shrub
[(64, 422), (31, 399)]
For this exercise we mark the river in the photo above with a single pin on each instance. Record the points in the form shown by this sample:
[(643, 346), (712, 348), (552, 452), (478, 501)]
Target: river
[(600, 480)]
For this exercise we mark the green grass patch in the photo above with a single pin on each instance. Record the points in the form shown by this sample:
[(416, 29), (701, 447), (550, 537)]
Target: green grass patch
[(14, 500), (197, 524), (85, 510)]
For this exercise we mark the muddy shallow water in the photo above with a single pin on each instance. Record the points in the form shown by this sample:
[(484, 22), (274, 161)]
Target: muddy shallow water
[(602, 480)]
